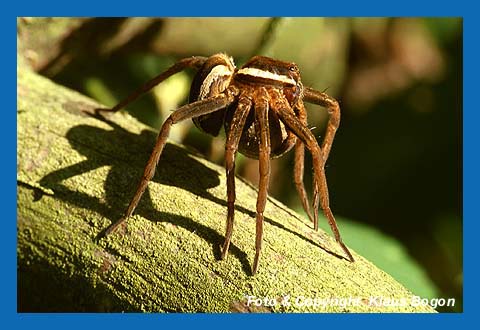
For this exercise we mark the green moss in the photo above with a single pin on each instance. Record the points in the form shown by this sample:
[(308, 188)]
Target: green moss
[(76, 175)]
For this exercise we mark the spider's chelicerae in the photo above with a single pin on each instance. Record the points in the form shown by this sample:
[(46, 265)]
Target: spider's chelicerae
[(261, 108)]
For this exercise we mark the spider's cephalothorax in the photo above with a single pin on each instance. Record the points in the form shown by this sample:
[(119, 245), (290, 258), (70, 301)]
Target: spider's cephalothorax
[(261, 108), (219, 72)]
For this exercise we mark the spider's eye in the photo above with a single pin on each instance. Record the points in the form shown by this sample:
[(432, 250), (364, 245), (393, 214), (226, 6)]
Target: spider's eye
[(292, 68)]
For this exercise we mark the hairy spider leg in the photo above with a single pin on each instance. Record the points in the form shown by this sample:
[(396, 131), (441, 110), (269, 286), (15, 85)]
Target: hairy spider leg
[(263, 131), (187, 111), (288, 117), (299, 163), (231, 147), (190, 62), (333, 109)]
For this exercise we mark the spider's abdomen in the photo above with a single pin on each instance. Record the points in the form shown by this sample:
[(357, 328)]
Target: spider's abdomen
[(212, 79)]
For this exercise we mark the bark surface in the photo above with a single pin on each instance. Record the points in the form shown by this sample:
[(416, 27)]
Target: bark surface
[(76, 175)]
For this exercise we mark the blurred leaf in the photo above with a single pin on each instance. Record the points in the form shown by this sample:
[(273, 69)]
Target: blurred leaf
[(444, 29), (448, 233), (96, 88), (386, 253)]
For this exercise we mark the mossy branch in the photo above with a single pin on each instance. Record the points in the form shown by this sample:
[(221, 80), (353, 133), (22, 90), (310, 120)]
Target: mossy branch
[(76, 174)]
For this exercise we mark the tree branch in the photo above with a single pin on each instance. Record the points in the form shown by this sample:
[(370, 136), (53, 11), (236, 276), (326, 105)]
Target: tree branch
[(76, 175)]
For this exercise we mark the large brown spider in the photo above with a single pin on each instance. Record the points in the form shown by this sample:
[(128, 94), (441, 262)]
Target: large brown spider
[(261, 108)]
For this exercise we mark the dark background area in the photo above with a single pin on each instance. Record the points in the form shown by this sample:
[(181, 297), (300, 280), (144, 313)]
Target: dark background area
[(395, 170)]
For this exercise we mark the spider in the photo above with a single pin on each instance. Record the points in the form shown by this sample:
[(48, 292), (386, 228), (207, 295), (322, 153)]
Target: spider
[(261, 108)]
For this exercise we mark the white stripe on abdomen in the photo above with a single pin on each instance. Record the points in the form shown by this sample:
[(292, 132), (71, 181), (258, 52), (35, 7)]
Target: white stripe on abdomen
[(254, 72)]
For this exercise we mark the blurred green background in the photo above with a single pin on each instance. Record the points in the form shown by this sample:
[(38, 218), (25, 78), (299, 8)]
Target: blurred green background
[(395, 170)]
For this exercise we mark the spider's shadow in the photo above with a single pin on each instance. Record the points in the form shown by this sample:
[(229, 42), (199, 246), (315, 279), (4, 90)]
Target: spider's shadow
[(96, 145)]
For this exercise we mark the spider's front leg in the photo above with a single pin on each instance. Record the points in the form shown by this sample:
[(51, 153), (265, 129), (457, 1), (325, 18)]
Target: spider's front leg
[(231, 146), (263, 132), (188, 111)]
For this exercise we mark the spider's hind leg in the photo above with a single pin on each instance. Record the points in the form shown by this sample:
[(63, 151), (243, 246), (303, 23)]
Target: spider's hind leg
[(320, 181), (189, 62), (333, 109)]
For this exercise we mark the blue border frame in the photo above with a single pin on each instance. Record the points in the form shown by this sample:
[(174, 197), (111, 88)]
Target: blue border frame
[(248, 8)]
